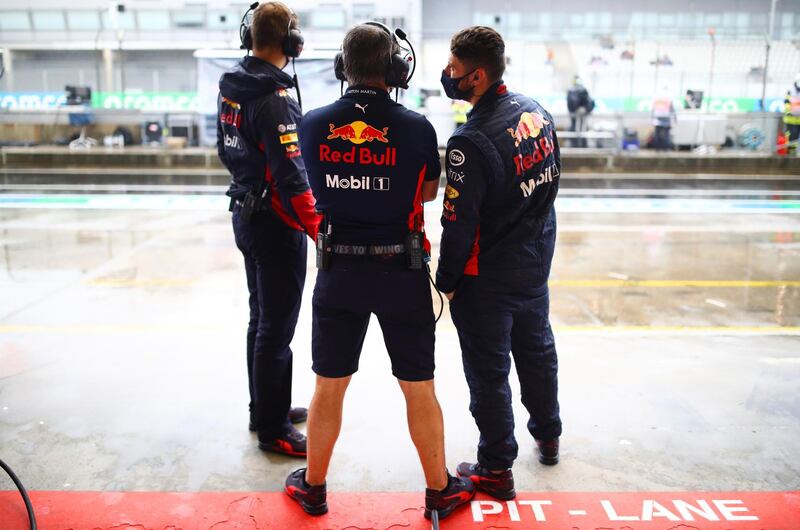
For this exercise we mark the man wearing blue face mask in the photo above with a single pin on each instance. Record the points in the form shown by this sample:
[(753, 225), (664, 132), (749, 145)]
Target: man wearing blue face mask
[(498, 238)]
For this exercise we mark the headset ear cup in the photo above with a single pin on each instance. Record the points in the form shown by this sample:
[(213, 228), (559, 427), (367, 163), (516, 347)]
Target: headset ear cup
[(293, 43), (246, 36), (397, 75), (338, 67)]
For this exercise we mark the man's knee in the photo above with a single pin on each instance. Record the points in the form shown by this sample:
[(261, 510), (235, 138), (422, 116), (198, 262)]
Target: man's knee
[(417, 389), (332, 387)]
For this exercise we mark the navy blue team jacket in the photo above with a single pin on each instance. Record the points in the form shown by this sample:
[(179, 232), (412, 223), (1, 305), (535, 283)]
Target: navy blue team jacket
[(257, 140), (502, 170), (367, 158)]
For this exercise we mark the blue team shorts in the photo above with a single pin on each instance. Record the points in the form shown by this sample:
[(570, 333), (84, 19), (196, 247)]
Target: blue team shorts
[(353, 288)]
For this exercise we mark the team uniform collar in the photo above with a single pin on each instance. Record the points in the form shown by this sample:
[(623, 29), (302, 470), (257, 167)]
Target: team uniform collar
[(258, 66), (356, 91), (492, 94)]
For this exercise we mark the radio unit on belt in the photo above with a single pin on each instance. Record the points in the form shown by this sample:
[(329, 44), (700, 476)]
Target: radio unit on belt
[(414, 250), (324, 243), (415, 246), (253, 202)]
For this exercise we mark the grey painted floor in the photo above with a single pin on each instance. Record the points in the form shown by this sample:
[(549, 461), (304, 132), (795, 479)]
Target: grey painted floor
[(122, 358)]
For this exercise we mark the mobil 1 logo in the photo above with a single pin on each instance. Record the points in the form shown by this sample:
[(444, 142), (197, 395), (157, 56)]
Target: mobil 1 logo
[(358, 183)]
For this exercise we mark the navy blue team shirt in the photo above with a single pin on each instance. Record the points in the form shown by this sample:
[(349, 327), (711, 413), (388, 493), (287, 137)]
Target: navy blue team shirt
[(367, 157)]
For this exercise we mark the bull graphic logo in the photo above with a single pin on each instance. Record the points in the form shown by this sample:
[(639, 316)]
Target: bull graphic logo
[(530, 126), (231, 103), (358, 132)]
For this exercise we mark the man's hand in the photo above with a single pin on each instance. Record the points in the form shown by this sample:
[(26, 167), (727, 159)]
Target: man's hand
[(449, 295)]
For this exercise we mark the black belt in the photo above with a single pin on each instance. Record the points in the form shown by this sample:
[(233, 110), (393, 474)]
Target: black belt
[(369, 250)]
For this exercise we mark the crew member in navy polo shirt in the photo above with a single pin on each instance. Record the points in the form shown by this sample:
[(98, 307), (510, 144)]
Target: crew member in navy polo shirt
[(371, 164)]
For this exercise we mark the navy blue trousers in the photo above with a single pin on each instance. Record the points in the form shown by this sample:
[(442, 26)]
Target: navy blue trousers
[(491, 325), (275, 262)]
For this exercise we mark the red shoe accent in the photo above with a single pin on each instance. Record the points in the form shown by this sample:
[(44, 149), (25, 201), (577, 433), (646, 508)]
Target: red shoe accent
[(462, 495)]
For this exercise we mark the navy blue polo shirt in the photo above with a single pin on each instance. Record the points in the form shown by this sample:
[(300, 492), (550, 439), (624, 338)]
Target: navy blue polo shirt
[(366, 158)]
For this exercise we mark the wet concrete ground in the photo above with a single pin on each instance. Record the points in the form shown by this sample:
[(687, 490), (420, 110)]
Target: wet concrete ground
[(122, 356)]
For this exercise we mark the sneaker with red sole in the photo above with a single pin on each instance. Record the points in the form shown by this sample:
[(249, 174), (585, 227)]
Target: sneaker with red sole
[(291, 443), (313, 499), (498, 485), (459, 491), (548, 451), (296, 415)]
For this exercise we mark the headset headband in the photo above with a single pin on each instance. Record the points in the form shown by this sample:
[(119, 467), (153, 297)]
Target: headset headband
[(397, 65), (292, 43)]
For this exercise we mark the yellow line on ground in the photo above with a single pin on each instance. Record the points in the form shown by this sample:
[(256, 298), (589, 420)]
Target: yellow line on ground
[(9, 329), (676, 283)]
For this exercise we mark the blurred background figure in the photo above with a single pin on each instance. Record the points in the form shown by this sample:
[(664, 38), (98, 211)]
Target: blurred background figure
[(460, 110), (663, 115), (791, 114), (579, 105)]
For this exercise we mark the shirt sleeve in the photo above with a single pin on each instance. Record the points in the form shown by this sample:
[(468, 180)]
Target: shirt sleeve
[(220, 135), (433, 163), (467, 182), (277, 124)]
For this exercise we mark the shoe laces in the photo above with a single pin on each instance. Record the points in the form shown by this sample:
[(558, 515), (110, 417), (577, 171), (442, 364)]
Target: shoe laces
[(295, 435)]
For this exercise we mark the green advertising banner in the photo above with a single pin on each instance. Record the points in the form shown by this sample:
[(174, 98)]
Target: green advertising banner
[(146, 101)]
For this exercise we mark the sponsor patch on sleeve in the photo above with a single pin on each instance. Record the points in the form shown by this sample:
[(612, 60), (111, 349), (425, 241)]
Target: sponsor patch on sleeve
[(449, 211), (292, 151), (289, 138), (450, 192), (456, 157)]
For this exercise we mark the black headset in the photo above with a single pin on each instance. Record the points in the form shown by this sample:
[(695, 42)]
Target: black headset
[(397, 65), (291, 46)]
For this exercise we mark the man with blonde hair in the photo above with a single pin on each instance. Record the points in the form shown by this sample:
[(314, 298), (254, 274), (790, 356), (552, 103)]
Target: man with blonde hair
[(273, 211)]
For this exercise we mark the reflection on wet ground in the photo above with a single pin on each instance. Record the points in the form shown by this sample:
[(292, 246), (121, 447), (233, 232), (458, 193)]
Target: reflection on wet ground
[(122, 360)]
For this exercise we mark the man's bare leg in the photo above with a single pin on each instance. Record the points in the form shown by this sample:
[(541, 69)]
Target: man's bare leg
[(324, 424), (426, 425)]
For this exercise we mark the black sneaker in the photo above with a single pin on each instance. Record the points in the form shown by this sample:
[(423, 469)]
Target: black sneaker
[(459, 491), (548, 451), (313, 499), (498, 485), (291, 443), (296, 415)]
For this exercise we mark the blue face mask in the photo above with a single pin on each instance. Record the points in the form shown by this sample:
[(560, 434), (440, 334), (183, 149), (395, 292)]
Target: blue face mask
[(450, 85)]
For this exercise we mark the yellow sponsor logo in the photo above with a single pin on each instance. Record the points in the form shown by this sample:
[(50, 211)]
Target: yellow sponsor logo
[(450, 192), (231, 103), (289, 138)]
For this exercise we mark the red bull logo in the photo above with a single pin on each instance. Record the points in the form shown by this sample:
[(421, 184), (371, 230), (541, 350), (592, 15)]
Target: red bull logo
[(359, 155), (530, 126), (449, 212), (543, 147), (231, 118), (358, 132), (292, 151)]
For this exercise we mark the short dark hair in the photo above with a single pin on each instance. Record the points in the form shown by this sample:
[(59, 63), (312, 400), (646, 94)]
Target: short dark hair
[(366, 50), (271, 22), (481, 47)]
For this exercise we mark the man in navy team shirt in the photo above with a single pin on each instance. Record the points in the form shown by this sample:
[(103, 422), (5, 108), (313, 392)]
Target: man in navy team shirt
[(371, 164)]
